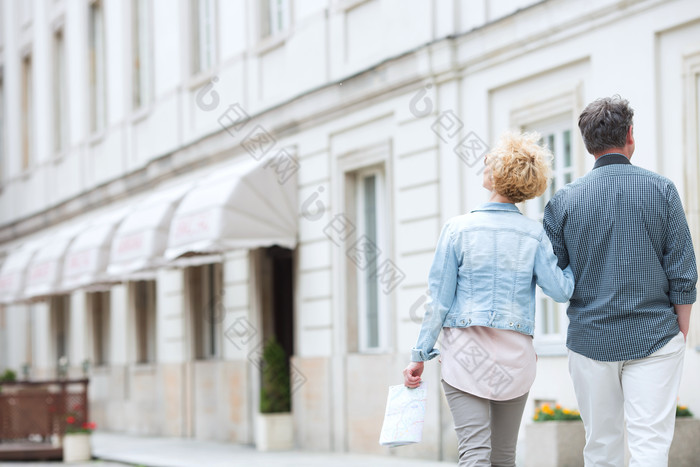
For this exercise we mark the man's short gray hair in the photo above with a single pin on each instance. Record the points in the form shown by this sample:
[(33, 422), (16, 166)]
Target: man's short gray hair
[(604, 123)]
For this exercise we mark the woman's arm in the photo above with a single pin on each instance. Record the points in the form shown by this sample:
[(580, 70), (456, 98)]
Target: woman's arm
[(557, 283), (442, 282)]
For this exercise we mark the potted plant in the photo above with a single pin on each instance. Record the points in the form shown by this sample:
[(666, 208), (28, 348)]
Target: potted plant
[(274, 429), (8, 376), (76, 440), (556, 438)]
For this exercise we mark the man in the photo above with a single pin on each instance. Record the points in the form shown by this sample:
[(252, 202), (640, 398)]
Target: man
[(624, 233)]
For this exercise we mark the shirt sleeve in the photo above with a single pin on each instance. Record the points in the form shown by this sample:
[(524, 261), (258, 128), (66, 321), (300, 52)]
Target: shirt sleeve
[(554, 282), (678, 255), (442, 284), (553, 222)]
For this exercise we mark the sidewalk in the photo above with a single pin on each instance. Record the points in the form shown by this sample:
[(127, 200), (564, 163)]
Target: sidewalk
[(179, 452)]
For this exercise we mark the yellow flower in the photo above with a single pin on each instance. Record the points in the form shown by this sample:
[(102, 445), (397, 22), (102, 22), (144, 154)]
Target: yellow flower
[(566, 411), (545, 407), (558, 406), (683, 407)]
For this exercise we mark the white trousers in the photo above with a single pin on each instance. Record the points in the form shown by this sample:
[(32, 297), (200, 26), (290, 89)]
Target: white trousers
[(642, 392)]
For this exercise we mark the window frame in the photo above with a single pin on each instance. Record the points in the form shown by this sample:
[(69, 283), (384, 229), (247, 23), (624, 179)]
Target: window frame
[(60, 92), (97, 76), (282, 9), (99, 311), (141, 54), (691, 191), (59, 309), (3, 133), (27, 106), (363, 275), (143, 305), (552, 314), (196, 45), (206, 341), (557, 109)]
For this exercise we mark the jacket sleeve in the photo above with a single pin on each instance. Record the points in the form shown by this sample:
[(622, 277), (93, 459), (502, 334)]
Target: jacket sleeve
[(557, 283), (442, 285), (678, 254)]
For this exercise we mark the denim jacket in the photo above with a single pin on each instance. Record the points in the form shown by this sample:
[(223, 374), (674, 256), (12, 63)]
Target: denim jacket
[(484, 273)]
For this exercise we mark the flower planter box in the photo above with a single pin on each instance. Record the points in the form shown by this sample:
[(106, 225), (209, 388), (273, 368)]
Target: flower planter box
[(274, 432), (76, 447), (685, 448), (554, 444)]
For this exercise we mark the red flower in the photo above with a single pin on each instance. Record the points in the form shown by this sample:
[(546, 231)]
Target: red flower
[(92, 425), (86, 426), (70, 419)]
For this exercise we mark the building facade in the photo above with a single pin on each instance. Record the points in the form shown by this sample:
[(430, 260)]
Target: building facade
[(183, 180)]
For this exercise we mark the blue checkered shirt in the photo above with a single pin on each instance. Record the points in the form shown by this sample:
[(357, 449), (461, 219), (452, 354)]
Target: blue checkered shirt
[(624, 233)]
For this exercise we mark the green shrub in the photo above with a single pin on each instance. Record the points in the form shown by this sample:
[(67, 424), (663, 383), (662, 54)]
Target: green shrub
[(8, 376), (545, 413), (275, 390), (682, 411)]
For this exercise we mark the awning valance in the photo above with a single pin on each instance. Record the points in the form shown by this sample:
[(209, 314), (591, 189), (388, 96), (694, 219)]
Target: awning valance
[(141, 239), (243, 205), (14, 272), (88, 255), (46, 268)]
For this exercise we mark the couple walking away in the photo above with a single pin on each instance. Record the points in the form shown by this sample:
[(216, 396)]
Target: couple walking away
[(615, 244)]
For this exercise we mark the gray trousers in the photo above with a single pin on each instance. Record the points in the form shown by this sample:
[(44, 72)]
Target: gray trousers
[(487, 430)]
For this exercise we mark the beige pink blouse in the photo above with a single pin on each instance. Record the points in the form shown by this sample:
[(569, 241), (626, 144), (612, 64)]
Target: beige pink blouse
[(494, 364)]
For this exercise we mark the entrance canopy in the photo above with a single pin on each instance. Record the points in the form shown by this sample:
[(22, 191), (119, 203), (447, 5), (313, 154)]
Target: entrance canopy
[(243, 205), (141, 239), (45, 271), (13, 274), (88, 255)]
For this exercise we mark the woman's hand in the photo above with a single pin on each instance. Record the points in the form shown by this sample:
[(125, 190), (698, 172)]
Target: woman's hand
[(411, 374)]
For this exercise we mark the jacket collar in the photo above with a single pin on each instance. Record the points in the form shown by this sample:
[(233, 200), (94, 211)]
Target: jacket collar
[(508, 207)]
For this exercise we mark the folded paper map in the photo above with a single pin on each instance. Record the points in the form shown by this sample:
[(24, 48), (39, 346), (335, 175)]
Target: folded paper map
[(403, 419)]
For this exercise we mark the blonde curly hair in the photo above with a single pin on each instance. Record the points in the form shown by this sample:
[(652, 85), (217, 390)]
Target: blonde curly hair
[(520, 166)]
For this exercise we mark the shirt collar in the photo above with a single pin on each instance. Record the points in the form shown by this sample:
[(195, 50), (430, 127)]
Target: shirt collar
[(509, 207), (612, 158)]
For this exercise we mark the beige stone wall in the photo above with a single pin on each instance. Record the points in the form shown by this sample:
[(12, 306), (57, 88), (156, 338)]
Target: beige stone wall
[(221, 401), (312, 404), (367, 378)]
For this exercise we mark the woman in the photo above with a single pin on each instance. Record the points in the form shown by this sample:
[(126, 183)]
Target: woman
[(482, 288)]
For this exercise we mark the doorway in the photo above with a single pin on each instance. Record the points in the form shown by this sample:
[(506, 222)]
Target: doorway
[(277, 296)]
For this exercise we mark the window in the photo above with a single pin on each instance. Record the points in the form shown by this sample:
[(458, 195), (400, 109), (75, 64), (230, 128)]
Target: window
[(205, 295), (2, 127), (26, 13), (27, 113), (141, 52), (203, 35), (275, 16), (551, 321), (98, 306), (59, 309), (371, 301), (144, 305), (2, 22), (96, 60), (60, 114)]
